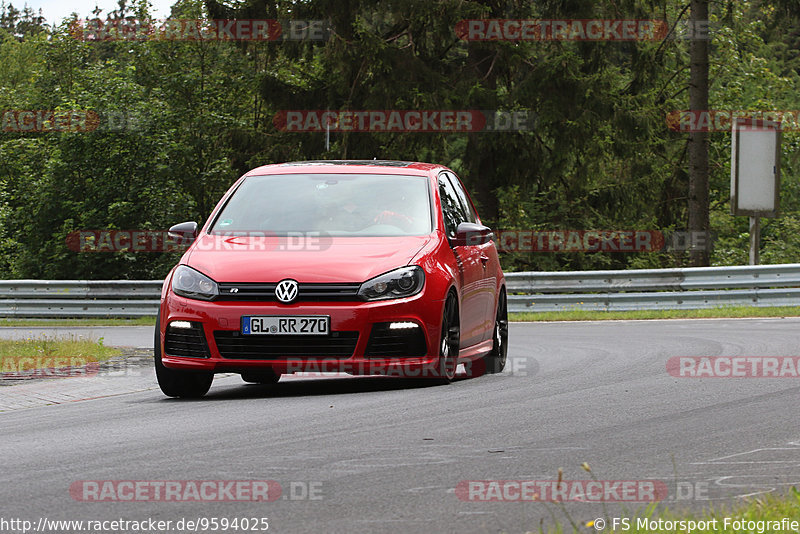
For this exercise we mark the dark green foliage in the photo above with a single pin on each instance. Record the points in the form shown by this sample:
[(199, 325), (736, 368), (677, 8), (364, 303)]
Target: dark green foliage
[(190, 117)]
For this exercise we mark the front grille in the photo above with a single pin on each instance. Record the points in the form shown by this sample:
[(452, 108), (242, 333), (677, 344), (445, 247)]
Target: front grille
[(336, 346), (306, 292), (187, 342), (385, 342)]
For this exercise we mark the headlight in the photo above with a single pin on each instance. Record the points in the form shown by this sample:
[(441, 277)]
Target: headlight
[(396, 284), (187, 282)]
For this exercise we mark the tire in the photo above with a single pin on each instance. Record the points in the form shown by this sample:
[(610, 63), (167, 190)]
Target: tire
[(496, 359), (262, 376), (449, 341), (176, 383)]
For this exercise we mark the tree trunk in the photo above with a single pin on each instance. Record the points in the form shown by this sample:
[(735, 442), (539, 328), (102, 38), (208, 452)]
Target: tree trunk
[(480, 148), (698, 141)]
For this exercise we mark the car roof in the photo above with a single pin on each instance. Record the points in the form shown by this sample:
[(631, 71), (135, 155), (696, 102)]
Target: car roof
[(353, 166)]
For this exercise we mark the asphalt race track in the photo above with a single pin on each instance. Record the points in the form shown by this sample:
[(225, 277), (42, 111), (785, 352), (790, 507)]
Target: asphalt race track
[(376, 454)]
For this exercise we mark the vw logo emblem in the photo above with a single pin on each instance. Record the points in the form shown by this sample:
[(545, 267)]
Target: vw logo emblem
[(286, 290)]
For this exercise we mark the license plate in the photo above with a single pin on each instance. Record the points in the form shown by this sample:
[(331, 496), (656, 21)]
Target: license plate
[(286, 325)]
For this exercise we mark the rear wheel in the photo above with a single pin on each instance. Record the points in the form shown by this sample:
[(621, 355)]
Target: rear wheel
[(449, 342), (177, 383), (262, 376), (496, 359)]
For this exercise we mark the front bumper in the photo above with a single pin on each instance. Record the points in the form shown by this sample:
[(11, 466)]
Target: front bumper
[(220, 324)]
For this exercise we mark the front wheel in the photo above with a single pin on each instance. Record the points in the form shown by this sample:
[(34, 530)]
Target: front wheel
[(177, 383), (496, 359), (449, 342)]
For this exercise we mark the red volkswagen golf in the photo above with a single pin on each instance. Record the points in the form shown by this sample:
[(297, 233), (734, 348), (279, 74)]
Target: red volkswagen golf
[(362, 267)]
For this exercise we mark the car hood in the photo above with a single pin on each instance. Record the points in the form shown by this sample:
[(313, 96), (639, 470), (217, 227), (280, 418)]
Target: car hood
[(318, 259)]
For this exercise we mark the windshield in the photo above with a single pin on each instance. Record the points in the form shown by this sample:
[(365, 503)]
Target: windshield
[(334, 204)]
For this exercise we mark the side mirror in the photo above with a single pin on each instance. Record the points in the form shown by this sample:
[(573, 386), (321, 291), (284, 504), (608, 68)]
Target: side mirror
[(185, 232), (471, 234)]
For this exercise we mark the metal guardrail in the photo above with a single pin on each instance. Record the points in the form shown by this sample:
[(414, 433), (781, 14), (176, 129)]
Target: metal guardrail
[(79, 298), (649, 289), (646, 289)]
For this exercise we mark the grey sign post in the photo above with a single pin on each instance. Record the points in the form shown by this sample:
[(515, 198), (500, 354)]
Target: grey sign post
[(755, 174)]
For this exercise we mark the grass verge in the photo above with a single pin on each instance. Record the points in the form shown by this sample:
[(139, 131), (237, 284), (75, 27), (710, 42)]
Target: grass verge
[(720, 312), (139, 321), (566, 315), (35, 356), (765, 514)]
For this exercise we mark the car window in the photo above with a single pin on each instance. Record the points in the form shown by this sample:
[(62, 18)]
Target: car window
[(452, 209), (333, 204), (463, 198)]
